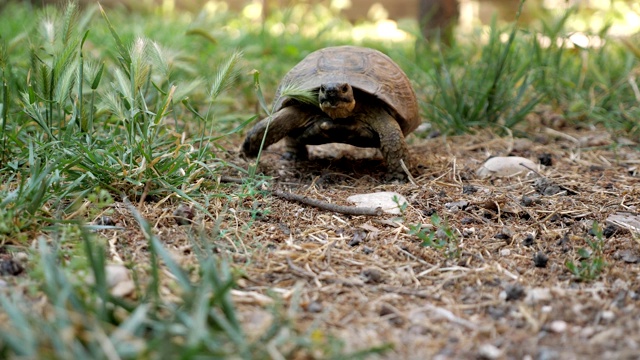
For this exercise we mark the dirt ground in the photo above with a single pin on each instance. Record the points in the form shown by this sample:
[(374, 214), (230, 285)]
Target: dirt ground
[(368, 280), (508, 294)]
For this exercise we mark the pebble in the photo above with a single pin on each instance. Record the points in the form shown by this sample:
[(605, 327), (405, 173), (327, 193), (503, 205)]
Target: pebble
[(123, 288), (536, 295), (387, 200), (115, 274), (558, 326), (505, 252), (608, 315), (315, 307), (468, 231), (501, 166), (21, 257), (489, 352)]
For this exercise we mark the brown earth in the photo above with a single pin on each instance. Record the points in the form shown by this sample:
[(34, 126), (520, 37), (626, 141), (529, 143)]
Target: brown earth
[(368, 280)]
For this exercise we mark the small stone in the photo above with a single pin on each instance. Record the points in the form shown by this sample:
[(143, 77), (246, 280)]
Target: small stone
[(358, 236), (529, 240), (514, 292), (540, 259), (489, 352), (389, 201), (115, 274), (536, 295), (456, 205), (22, 257), (10, 266), (545, 159), (608, 315), (501, 166), (441, 234), (469, 189), (184, 214), (105, 221), (467, 220), (547, 187), (505, 234), (367, 250), (545, 353), (505, 252), (372, 276), (609, 231), (314, 307), (123, 288), (558, 326), (468, 231), (527, 201), (627, 256)]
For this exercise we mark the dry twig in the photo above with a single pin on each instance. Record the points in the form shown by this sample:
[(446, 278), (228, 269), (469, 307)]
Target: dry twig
[(348, 210), (343, 209)]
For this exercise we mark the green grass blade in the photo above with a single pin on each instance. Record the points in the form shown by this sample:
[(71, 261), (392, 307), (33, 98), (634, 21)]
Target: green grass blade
[(125, 59)]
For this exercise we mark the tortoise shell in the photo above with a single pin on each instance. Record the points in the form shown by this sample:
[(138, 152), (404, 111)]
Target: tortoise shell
[(364, 69)]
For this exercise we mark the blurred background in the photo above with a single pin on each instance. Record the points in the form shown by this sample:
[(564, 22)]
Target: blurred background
[(432, 14)]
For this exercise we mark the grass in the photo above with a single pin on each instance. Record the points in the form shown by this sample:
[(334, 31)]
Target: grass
[(101, 107), (592, 262)]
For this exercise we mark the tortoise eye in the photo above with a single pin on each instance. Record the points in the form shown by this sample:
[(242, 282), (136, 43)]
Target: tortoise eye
[(345, 88), (322, 88)]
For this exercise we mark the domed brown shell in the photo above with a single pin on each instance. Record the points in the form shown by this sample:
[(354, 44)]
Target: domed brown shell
[(363, 68)]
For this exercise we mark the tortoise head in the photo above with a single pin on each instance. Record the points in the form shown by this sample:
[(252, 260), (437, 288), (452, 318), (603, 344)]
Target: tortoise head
[(336, 99)]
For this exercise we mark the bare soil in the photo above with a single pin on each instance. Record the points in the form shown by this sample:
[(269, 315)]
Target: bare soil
[(369, 280)]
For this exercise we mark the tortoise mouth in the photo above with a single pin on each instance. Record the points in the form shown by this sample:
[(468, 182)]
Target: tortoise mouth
[(329, 99), (338, 109), (333, 104)]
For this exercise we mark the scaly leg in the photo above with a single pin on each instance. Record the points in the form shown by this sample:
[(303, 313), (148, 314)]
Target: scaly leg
[(392, 143)]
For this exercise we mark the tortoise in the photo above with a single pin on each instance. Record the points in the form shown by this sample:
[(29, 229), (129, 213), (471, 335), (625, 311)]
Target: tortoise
[(363, 99)]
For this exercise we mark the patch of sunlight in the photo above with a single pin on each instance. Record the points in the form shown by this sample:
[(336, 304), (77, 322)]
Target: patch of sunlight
[(585, 41), (214, 7), (277, 29), (253, 11), (377, 12), (630, 23), (622, 18), (380, 30), (168, 6), (340, 4)]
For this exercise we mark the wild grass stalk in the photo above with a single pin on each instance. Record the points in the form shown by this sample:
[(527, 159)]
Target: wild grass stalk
[(496, 88)]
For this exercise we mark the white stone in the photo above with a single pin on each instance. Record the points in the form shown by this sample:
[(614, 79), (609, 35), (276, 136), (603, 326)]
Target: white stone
[(506, 166), (558, 326), (489, 351), (383, 199), (536, 295), (608, 315), (115, 274)]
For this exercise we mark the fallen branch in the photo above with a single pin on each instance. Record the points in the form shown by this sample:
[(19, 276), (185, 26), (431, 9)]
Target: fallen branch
[(342, 209), (348, 210)]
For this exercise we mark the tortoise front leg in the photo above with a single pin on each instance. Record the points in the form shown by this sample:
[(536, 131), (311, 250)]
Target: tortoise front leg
[(392, 143), (281, 123)]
